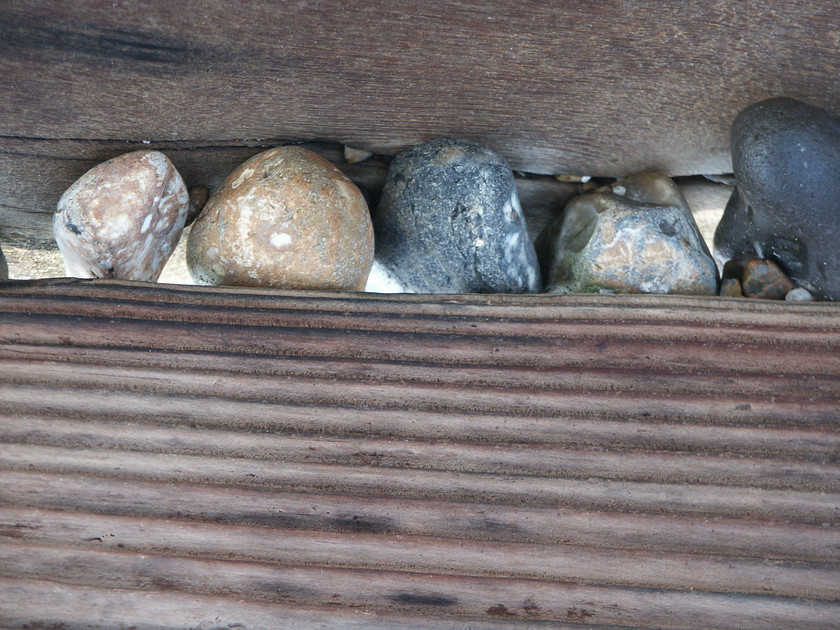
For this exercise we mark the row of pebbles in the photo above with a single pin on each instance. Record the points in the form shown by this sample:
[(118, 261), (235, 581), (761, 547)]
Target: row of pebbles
[(449, 221)]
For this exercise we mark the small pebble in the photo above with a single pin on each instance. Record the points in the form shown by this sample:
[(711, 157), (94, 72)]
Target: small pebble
[(635, 236), (731, 287), (122, 219), (763, 279), (799, 295), (352, 156), (573, 179), (286, 218), (786, 204), (449, 221)]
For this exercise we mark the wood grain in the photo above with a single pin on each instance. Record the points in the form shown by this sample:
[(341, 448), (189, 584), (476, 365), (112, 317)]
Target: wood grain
[(347, 460), (604, 88)]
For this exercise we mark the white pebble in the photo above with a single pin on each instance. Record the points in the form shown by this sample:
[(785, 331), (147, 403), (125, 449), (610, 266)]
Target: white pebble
[(799, 295)]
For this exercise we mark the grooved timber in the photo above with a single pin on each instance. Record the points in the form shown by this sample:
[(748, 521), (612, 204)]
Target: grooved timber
[(190, 457)]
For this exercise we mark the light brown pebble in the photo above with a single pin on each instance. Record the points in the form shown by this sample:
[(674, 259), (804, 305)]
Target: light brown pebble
[(122, 219), (286, 218)]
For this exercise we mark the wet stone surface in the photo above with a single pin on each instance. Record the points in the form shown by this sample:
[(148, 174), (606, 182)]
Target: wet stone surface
[(286, 218), (449, 221), (122, 219), (637, 236), (786, 204)]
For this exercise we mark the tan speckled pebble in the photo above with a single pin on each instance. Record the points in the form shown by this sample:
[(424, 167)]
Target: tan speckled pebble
[(286, 218), (122, 219)]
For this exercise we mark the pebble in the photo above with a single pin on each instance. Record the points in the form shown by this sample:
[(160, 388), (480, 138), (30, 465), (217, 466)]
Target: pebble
[(286, 218), (352, 156), (763, 279), (731, 287), (449, 221), (122, 219), (637, 236), (799, 295), (786, 204)]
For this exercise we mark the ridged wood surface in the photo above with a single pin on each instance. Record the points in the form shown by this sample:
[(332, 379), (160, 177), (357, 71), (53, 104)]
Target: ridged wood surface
[(202, 458)]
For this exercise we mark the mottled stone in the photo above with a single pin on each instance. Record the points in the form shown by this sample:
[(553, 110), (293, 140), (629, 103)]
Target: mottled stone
[(799, 295), (4, 267), (286, 218), (764, 279), (731, 287), (637, 236), (449, 221), (786, 204), (122, 219)]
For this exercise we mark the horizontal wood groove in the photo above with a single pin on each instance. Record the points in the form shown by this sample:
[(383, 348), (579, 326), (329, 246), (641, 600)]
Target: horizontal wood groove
[(592, 493), (526, 459), (70, 534), (593, 461), (442, 518), (107, 607)]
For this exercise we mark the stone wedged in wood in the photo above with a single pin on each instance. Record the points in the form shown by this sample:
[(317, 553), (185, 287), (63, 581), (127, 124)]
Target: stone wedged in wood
[(632, 461)]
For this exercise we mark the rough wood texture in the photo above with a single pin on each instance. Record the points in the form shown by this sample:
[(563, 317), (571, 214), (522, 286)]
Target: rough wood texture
[(594, 88), (206, 457)]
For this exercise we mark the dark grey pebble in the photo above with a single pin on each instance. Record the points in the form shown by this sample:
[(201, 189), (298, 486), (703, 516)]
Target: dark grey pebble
[(449, 221)]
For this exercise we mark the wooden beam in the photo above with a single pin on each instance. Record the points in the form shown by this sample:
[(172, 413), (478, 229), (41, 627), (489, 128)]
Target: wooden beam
[(603, 88), (232, 454)]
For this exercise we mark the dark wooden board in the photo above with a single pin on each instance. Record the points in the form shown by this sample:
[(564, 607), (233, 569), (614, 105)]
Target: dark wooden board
[(595, 88), (207, 457)]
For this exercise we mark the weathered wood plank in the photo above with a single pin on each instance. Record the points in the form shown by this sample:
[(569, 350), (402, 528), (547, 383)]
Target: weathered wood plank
[(813, 466), (596, 494), (628, 461), (27, 604), (705, 535), (654, 85), (409, 554), (594, 88), (408, 591)]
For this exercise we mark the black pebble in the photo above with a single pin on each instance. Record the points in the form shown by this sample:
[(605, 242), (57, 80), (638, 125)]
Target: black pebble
[(786, 204), (449, 221)]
